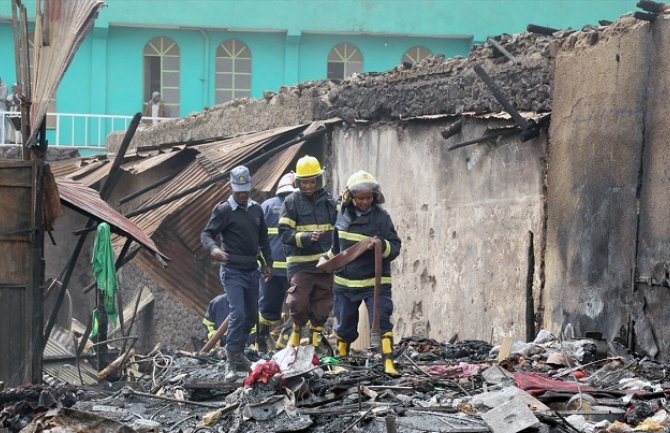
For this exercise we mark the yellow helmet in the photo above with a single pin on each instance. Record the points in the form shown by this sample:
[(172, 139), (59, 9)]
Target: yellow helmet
[(359, 181), (308, 166)]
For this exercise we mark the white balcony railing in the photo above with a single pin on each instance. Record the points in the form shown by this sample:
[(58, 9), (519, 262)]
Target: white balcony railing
[(83, 131)]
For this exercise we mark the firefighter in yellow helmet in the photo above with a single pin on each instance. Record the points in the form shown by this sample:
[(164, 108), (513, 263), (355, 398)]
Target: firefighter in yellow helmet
[(360, 217), (305, 228)]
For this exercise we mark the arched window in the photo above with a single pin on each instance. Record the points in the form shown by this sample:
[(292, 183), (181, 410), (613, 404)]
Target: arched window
[(344, 60), (416, 54), (233, 71), (161, 72)]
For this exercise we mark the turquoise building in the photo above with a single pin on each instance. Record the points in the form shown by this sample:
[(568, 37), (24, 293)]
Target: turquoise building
[(199, 53)]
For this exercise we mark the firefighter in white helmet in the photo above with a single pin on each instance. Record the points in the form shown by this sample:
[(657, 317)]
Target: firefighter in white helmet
[(361, 217), (273, 291), (305, 228)]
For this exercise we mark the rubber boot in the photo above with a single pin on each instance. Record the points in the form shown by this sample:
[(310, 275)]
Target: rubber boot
[(294, 339), (284, 335), (316, 335), (343, 348), (387, 354), (262, 336), (232, 364)]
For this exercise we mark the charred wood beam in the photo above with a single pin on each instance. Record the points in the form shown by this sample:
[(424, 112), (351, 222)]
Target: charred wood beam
[(114, 172), (548, 31), (497, 93), (605, 23), (223, 176), (499, 133), (66, 358), (504, 51), (452, 129), (652, 6), (645, 16), (529, 129)]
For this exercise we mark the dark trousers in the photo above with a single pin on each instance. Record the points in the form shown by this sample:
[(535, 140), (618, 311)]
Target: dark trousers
[(272, 297), (346, 313), (310, 297), (241, 288)]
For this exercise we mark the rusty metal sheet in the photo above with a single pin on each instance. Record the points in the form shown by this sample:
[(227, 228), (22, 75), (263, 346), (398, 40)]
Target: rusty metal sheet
[(92, 171), (89, 202), (61, 343), (16, 276), (144, 164), (221, 156)]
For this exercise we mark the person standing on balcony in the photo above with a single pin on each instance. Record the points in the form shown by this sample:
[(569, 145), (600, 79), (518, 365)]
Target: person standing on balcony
[(3, 108), (155, 108)]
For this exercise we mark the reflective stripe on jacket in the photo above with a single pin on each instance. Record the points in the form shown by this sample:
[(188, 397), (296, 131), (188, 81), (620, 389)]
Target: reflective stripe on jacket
[(272, 211), (359, 275), (301, 216)]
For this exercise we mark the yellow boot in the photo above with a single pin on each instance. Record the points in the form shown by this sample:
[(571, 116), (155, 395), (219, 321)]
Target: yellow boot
[(343, 348), (316, 333), (294, 339), (387, 354)]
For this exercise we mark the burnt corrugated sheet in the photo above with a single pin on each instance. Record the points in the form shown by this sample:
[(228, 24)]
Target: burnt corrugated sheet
[(89, 202), (144, 164), (61, 344)]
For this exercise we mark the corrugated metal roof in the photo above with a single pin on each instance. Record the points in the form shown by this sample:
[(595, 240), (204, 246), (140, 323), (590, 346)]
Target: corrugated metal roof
[(226, 154), (61, 343), (144, 164), (88, 201), (92, 172)]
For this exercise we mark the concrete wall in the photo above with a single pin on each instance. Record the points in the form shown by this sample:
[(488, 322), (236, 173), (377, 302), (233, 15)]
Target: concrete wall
[(463, 217), (608, 159)]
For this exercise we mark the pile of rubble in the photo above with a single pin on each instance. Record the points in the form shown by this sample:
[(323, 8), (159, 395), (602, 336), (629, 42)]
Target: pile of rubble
[(570, 386)]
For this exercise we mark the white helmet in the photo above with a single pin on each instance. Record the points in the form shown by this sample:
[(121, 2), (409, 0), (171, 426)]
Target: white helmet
[(286, 184)]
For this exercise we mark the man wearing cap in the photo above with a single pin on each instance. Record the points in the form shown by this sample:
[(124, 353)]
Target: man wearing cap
[(241, 224), (274, 291)]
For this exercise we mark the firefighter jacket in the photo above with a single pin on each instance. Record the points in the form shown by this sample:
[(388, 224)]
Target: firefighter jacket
[(357, 279), (302, 215), (272, 211)]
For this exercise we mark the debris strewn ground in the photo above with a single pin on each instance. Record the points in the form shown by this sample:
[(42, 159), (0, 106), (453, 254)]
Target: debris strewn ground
[(470, 386)]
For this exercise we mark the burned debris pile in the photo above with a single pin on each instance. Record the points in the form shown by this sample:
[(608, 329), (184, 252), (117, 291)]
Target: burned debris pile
[(470, 386)]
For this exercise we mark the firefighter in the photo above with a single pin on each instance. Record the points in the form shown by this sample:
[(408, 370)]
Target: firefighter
[(361, 217), (217, 311), (274, 291), (305, 228), (241, 224)]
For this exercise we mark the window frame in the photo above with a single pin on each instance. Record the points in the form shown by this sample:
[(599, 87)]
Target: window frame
[(343, 54), (235, 55), (157, 47), (408, 57)]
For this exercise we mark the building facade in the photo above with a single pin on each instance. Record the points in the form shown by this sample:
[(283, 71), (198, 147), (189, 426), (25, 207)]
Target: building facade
[(201, 53)]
